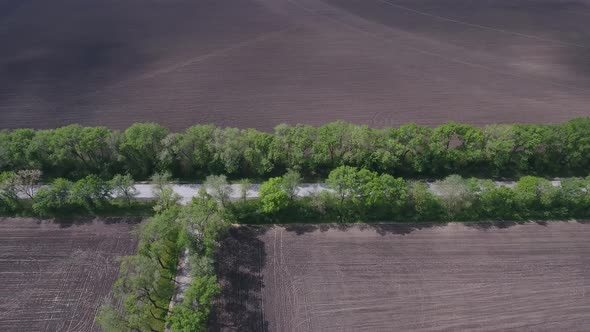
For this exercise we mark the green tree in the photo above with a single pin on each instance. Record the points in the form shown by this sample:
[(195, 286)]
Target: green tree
[(193, 313), (290, 181), (529, 146), (123, 187), (499, 148), (203, 222), (535, 196), (334, 145), (9, 200), (25, 181), (244, 187), (219, 188), (352, 187), (499, 203), (456, 146), (91, 192), (229, 145), (158, 239), (422, 203), (192, 150), (257, 157), (279, 192), (410, 145), (140, 147), (291, 147), (574, 146), (273, 196), (455, 194), (50, 199), (16, 151), (575, 197), (139, 287), (386, 193), (163, 192), (111, 320)]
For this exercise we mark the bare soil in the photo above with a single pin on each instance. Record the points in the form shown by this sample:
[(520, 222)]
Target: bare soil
[(458, 277), (54, 275), (257, 63)]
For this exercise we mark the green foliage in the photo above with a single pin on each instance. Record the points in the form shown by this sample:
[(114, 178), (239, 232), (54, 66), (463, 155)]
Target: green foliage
[(82, 150), (146, 281), (219, 188), (164, 194), (362, 195), (50, 199), (422, 203), (139, 148), (455, 195), (122, 186), (499, 203), (16, 150), (278, 193), (355, 190), (193, 313), (158, 238), (111, 320), (90, 192), (145, 291), (257, 158), (273, 197), (9, 200), (244, 187), (228, 146), (292, 147), (339, 143), (536, 196), (412, 151)]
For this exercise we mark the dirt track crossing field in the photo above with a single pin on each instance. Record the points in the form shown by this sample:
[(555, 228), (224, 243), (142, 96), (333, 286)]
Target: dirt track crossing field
[(529, 277), (53, 276), (257, 63)]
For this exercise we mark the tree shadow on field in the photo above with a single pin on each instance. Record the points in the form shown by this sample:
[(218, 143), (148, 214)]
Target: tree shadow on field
[(65, 222), (503, 224), (402, 228), (380, 228), (239, 263), (78, 221)]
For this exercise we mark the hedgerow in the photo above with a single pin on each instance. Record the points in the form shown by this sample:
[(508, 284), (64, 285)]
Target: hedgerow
[(360, 195), (410, 151)]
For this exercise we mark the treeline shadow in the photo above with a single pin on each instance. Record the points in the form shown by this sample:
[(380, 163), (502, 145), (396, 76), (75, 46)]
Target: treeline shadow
[(401, 228), (380, 228), (239, 263), (65, 222)]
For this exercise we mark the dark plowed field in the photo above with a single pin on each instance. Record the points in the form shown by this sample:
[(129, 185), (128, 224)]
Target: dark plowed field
[(257, 63), (54, 276), (528, 277)]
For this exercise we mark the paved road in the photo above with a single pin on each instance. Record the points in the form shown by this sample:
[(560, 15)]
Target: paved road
[(188, 191), (145, 191)]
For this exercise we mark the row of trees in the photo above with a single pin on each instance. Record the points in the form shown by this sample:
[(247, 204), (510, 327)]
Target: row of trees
[(410, 150), (20, 190), (146, 282), (363, 195), (355, 194)]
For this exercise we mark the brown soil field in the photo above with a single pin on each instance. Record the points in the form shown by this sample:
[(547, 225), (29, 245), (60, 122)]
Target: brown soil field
[(457, 277), (55, 274), (258, 63)]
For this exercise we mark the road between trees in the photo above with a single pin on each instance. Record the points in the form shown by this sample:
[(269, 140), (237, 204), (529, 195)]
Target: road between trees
[(188, 191), (145, 191)]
